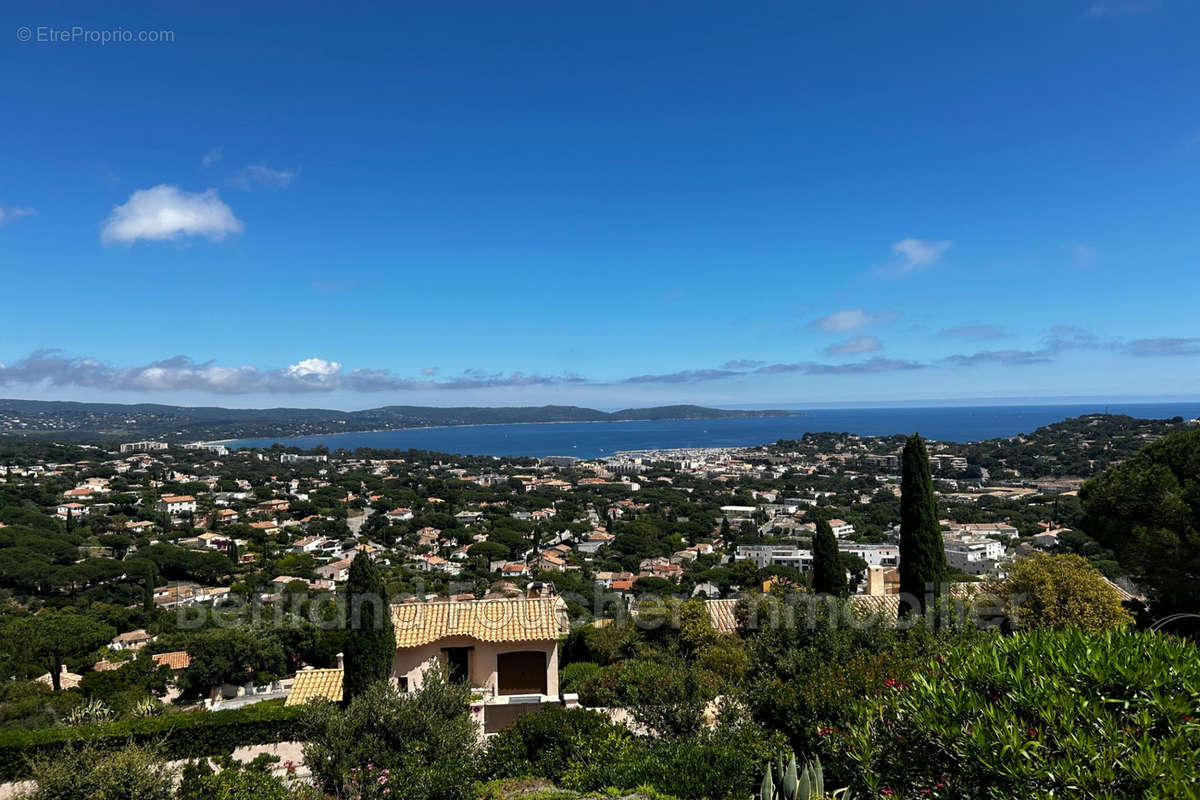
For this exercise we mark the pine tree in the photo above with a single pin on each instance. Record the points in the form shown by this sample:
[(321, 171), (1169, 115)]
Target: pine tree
[(922, 554), (370, 641), (828, 575)]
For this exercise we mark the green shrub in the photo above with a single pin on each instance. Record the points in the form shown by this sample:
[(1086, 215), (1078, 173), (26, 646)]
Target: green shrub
[(235, 780), (808, 680), (582, 751), (572, 676), (176, 736), (574, 748), (1039, 714), (425, 740), (31, 705), (723, 761), (129, 773)]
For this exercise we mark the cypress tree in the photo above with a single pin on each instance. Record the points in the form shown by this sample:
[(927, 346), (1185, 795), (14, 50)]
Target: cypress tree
[(149, 579), (828, 576), (370, 642), (922, 555)]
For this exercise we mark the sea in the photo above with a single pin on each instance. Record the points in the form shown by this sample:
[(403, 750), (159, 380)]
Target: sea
[(599, 439)]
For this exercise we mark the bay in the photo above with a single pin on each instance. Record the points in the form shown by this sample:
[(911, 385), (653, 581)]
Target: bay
[(598, 439)]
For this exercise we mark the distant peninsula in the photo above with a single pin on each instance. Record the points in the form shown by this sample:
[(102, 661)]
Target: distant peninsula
[(105, 421)]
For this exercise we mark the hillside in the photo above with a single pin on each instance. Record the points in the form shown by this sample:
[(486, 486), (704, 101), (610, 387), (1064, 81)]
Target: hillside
[(86, 421)]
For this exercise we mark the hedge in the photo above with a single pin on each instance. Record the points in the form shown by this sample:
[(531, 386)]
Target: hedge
[(184, 735)]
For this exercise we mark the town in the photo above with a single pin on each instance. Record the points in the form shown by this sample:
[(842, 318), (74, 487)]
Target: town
[(215, 527)]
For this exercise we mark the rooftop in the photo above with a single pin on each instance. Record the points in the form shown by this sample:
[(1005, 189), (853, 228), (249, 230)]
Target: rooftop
[(313, 683), (502, 620)]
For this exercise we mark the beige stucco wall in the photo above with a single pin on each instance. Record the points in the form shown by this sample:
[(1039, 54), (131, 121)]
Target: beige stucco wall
[(481, 661)]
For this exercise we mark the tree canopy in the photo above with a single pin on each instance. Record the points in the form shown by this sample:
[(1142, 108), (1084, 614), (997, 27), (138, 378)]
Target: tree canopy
[(828, 575), (1147, 511), (1060, 591)]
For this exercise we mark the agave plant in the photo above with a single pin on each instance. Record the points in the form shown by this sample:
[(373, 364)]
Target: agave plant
[(797, 784), (91, 711), (146, 707)]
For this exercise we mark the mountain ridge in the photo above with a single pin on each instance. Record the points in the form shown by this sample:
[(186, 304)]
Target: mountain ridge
[(78, 420)]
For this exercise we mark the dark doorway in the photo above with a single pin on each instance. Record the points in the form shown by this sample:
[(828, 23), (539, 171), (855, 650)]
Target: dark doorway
[(458, 663), (522, 672)]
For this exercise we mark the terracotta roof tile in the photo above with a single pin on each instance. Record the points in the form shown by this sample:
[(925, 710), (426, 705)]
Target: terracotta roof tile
[(176, 659), (721, 615), (885, 605), (510, 620), (313, 683)]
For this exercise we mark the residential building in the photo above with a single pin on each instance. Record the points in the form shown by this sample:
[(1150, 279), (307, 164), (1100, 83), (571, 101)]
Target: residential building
[(173, 504), (338, 571), (974, 555), (841, 528), (594, 541), (507, 650), (876, 555), (142, 447), (131, 640), (72, 510), (766, 555)]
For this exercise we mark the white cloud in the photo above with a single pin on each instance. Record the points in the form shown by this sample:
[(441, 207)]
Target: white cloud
[(851, 319), (262, 175), (212, 157), (314, 366), (9, 213), (168, 212), (917, 254), (854, 345)]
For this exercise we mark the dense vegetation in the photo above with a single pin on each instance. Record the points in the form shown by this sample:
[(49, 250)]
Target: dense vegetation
[(1147, 511), (1041, 714), (916, 710)]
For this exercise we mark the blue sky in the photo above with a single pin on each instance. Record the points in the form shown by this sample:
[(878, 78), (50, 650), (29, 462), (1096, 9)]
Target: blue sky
[(601, 203)]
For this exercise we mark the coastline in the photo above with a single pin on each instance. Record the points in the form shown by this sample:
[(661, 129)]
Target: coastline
[(586, 440), (508, 424)]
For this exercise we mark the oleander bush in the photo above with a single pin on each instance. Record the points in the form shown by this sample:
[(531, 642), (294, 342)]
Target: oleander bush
[(1069, 713), (582, 751), (809, 681), (227, 779)]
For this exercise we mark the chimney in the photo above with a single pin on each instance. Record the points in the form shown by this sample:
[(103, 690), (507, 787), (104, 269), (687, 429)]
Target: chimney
[(875, 582), (340, 664), (539, 589)]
